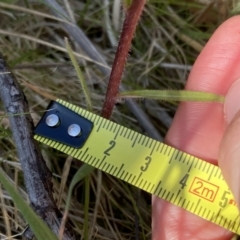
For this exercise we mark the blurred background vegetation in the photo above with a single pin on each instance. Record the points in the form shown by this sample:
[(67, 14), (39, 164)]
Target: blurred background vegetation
[(169, 37)]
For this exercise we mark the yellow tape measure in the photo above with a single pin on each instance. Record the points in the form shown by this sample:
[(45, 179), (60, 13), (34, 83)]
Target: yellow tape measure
[(184, 180)]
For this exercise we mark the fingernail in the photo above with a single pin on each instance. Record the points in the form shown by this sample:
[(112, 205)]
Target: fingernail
[(232, 101)]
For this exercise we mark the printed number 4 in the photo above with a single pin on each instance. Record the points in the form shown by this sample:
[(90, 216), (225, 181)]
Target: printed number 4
[(183, 181)]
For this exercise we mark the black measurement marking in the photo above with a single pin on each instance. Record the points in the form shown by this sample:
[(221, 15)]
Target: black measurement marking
[(133, 179), (78, 154), (165, 150), (207, 217), (210, 165), (233, 226), (187, 205), (123, 128), (135, 140), (110, 171), (103, 168), (205, 164), (213, 218), (93, 117), (133, 135), (111, 126), (73, 108), (143, 140), (140, 138), (99, 166), (199, 210), (170, 200), (129, 177), (190, 209), (147, 141), (108, 124), (124, 178), (151, 191), (100, 123), (211, 173), (116, 125), (90, 162), (120, 169), (167, 196), (144, 185), (86, 150), (89, 159), (129, 134), (189, 159), (138, 178), (217, 169), (126, 133), (163, 194), (87, 115), (220, 174), (158, 194), (105, 121), (225, 222), (108, 165), (116, 168), (150, 144), (183, 202), (204, 212), (67, 149), (197, 161), (118, 129), (176, 196), (98, 118), (63, 148), (179, 200), (237, 227), (181, 156), (93, 162), (140, 183), (86, 156), (155, 142), (197, 205), (123, 171), (173, 156), (217, 216), (170, 151), (155, 191), (229, 225), (186, 156), (147, 188), (190, 167), (159, 146), (199, 167), (221, 218)]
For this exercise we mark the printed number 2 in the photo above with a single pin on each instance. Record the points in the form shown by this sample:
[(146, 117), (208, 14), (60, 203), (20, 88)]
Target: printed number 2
[(145, 167), (183, 181), (112, 143)]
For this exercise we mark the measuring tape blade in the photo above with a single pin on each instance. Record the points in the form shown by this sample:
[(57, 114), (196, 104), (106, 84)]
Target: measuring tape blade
[(184, 180)]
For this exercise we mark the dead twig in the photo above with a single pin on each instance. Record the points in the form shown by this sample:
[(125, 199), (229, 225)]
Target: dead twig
[(37, 176)]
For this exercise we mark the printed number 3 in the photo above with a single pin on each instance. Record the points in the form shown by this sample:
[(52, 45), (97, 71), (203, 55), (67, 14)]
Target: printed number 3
[(145, 167)]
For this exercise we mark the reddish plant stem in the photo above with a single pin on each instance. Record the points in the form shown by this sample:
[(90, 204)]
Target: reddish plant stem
[(128, 30)]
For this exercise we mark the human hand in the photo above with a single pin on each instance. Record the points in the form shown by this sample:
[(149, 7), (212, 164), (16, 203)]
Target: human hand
[(207, 131)]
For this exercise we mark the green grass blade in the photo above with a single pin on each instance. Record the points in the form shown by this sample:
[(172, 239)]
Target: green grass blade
[(80, 76), (40, 229), (174, 95)]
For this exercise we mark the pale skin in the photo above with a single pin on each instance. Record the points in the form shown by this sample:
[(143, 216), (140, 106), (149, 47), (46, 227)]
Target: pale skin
[(202, 130)]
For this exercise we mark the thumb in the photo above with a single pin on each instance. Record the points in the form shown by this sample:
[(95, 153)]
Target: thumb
[(229, 153)]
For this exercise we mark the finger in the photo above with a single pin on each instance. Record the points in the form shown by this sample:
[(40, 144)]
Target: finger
[(229, 154), (198, 128)]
